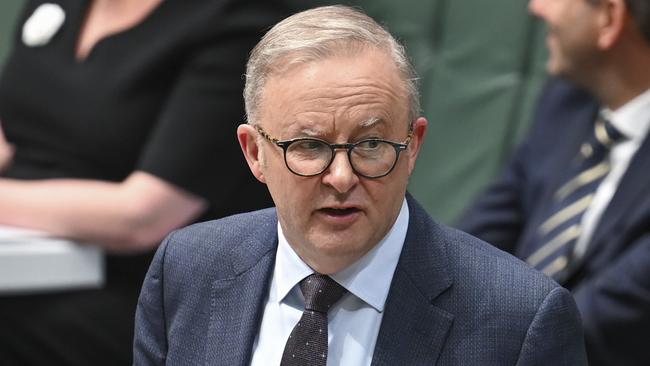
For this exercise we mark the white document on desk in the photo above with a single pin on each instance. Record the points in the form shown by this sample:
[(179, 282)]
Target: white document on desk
[(33, 262)]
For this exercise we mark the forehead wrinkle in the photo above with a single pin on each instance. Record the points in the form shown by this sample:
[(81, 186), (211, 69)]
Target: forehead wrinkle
[(319, 106), (322, 115), (337, 102), (367, 88)]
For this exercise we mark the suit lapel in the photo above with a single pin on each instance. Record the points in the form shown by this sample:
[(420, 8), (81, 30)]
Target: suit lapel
[(576, 126), (237, 305), (576, 134), (413, 329), (631, 192)]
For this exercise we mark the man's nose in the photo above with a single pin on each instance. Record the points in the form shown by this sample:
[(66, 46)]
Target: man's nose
[(340, 174)]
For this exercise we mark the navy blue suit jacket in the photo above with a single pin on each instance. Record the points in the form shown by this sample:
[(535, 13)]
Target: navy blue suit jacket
[(454, 300), (611, 283)]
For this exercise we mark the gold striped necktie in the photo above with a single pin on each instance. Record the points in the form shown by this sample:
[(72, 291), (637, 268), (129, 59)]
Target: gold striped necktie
[(558, 233)]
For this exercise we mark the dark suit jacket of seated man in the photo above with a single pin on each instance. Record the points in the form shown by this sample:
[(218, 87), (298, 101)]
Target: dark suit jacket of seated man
[(600, 51), (333, 131)]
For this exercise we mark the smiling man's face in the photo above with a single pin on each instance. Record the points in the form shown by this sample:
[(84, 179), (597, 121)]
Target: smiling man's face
[(572, 35), (333, 219)]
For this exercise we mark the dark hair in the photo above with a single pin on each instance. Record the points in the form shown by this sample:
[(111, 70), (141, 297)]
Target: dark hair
[(640, 10)]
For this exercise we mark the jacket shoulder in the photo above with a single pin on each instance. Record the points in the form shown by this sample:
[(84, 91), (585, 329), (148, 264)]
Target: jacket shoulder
[(224, 247), (477, 266), (494, 268), (492, 297)]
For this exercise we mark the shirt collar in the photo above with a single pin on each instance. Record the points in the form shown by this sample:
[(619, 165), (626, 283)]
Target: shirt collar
[(633, 118), (368, 278)]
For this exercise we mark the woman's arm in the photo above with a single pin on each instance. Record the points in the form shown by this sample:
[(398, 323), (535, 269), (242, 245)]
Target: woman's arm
[(131, 216), (6, 151)]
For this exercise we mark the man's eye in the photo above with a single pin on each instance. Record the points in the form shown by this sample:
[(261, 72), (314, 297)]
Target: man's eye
[(369, 145), (308, 149), (309, 145)]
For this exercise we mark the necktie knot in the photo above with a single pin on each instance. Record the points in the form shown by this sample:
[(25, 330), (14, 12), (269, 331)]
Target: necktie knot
[(604, 137), (320, 292), (606, 133), (307, 343)]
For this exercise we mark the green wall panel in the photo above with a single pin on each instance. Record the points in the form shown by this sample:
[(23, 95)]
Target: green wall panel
[(8, 13)]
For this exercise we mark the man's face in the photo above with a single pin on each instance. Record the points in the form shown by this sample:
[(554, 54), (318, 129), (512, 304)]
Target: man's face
[(572, 35), (333, 219)]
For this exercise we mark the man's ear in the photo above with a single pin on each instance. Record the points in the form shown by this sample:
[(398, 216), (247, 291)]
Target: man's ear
[(419, 131), (248, 142), (613, 16)]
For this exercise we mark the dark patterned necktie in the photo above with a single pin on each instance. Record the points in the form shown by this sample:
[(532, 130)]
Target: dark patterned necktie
[(558, 234), (307, 343)]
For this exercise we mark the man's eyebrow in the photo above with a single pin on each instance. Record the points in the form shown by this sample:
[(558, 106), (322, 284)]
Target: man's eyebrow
[(371, 122), (297, 129)]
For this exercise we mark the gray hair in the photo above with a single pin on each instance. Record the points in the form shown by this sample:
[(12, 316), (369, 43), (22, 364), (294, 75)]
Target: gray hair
[(315, 34)]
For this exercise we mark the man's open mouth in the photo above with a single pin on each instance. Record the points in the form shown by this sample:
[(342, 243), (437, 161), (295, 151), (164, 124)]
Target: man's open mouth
[(339, 211)]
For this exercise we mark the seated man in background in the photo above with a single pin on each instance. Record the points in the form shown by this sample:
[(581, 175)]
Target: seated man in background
[(575, 200), (347, 269)]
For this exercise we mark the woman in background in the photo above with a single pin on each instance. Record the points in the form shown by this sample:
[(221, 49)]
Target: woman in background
[(119, 123)]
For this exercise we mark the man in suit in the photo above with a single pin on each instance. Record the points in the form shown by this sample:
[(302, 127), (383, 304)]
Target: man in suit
[(347, 269), (587, 228)]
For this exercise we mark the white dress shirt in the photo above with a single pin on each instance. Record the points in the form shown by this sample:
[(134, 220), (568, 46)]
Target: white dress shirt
[(353, 322), (633, 120)]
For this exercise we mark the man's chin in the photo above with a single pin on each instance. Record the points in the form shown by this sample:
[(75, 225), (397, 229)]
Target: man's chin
[(553, 67), (331, 257), (334, 244)]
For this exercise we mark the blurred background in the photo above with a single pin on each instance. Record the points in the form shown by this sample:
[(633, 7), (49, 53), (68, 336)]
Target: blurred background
[(8, 13), (481, 65)]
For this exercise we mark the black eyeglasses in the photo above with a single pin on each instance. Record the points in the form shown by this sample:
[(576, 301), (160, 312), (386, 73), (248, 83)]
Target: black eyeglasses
[(370, 158)]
